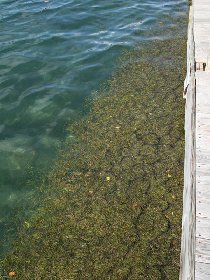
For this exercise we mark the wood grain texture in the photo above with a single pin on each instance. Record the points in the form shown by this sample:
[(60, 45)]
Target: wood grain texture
[(202, 271), (195, 254), (202, 246), (187, 266), (201, 30)]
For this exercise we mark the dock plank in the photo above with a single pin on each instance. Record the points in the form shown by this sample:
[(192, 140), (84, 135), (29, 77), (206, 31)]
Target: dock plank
[(202, 271), (201, 30), (202, 244)]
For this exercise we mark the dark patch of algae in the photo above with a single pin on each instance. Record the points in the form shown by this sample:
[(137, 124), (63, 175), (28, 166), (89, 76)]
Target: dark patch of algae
[(114, 202)]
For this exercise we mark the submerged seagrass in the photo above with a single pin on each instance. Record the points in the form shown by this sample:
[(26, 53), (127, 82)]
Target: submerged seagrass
[(114, 199)]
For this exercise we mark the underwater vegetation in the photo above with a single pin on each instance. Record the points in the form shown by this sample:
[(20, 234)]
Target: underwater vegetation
[(113, 201)]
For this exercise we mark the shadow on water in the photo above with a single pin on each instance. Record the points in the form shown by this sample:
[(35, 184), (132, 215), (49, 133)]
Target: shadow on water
[(113, 201)]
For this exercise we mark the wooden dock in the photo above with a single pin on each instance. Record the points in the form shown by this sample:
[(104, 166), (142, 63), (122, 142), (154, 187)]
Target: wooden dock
[(195, 256)]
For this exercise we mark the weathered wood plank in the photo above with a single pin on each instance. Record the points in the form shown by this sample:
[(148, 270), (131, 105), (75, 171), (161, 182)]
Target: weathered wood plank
[(197, 148), (201, 30), (202, 158), (188, 221), (202, 253), (202, 230), (202, 51), (202, 271)]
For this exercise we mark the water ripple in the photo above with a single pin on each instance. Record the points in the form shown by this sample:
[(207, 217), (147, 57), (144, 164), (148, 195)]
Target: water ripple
[(53, 55)]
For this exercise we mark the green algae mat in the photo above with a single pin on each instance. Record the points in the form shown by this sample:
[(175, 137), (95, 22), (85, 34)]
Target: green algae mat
[(113, 201)]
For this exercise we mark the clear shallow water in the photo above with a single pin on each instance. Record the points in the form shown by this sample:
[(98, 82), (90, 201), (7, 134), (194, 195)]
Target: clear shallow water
[(53, 55)]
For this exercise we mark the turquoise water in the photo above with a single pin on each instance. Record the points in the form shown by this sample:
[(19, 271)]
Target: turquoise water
[(54, 54)]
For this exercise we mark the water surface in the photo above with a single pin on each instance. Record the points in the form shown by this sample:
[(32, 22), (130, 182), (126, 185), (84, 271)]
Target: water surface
[(53, 55)]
